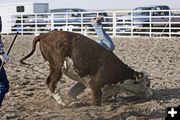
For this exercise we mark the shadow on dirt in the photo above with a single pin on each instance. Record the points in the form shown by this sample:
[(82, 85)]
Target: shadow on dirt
[(166, 94), (135, 116), (159, 95)]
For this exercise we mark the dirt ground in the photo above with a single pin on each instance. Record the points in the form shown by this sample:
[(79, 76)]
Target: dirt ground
[(30, 99)]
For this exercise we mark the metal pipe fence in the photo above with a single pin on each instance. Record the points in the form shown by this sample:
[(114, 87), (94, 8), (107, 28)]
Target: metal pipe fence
[(153, 23)]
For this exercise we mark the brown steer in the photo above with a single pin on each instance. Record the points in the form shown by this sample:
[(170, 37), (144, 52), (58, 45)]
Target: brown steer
[(83, 60)]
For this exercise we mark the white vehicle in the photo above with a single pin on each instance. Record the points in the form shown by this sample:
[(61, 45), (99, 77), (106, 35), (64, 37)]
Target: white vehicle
[(8, 10)]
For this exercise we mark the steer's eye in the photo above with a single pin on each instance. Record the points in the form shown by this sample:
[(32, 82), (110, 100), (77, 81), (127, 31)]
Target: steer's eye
[(148, 85)]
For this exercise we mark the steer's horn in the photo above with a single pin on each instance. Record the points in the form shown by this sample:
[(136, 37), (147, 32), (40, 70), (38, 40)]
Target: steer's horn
[(144, 75)]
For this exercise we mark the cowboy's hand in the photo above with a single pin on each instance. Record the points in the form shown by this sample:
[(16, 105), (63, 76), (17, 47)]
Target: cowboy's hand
[(4, 57)]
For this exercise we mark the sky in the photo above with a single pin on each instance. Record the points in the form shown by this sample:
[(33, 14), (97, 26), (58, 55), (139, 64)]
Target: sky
[(102, 4)]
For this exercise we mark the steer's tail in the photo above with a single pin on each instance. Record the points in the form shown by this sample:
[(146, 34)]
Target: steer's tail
[(36, 39)]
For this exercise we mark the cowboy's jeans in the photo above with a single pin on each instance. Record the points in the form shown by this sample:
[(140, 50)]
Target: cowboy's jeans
[(4, 84), (105, 41)]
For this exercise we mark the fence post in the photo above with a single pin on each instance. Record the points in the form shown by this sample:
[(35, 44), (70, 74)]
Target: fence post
[(22, 25), (52, 21), (169, 24), (36, 24), (66, 20), (114, 24), (131, 23), (150, 25), (82, 26)]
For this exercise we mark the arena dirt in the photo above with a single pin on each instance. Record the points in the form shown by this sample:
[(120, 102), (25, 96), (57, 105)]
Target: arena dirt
[(30, 99)]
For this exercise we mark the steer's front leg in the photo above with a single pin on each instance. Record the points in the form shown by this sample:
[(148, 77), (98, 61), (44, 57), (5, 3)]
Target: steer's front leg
[(52, 80), (96, 97)]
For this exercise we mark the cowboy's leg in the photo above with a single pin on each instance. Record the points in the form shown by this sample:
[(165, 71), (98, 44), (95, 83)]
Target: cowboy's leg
[(4, 84), (105, 40), (2, 93)]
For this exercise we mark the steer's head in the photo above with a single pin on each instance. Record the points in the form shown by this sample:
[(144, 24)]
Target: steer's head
[(139, 85)]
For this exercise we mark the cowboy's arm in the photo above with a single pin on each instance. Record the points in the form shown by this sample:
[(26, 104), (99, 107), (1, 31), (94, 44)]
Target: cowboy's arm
[(3, 56)]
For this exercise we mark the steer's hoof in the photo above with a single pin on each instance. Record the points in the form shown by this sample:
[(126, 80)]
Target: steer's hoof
[(76, 104)]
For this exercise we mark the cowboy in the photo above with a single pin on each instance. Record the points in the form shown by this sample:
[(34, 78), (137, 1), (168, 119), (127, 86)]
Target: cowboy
[(105, 41), (4, 83)]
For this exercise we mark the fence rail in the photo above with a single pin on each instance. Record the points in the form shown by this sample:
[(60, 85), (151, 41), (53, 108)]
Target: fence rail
[(152, 23)]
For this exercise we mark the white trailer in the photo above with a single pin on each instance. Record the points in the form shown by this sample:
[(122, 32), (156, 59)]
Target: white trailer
[(7, 10)]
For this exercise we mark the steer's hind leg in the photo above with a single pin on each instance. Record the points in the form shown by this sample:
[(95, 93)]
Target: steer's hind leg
[(52, 80)]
